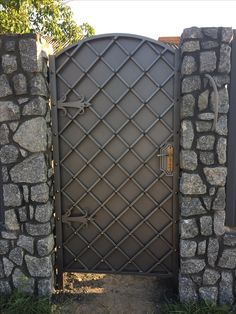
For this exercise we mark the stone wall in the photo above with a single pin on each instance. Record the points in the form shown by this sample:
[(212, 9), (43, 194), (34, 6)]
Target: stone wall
[(208, 254), (26, 241)]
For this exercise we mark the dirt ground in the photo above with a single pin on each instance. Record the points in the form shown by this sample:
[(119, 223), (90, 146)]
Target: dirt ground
[(113, 294)]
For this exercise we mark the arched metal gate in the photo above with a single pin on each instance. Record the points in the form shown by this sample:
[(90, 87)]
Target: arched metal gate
[(115, 138)]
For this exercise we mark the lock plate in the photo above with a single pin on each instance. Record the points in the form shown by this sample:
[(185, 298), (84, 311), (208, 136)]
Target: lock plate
[(167, 159)]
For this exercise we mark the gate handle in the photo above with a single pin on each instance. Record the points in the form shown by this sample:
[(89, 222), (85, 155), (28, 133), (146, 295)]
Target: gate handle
[(167, 159), (216, 105)]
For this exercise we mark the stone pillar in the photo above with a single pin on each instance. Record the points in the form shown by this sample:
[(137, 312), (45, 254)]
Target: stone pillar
[(207, 254), (26, 242)]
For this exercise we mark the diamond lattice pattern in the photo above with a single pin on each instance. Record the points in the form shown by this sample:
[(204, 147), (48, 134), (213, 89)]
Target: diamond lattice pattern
[(108, 162)]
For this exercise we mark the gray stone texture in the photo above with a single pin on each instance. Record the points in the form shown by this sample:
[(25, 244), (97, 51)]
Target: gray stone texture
[(192, 33), (201, 249), (4, 134), (188, 228), (230, 239), (35, 107), (224, 63), (16, 256), (207, 200), (25, 146), (209, 294), (187, 134), (12, 195), (228, 259), (5, 288), (223, 100), (9, 63), (187, 290), (203, 126), (22, 214), (203, 100), (219, 201), (206, 225), (216, 175), (188, 248), (38, 229), (211, 32), (210, 276), (190, 46), (206, 116), (192, 184), (31, 135), (192, 266), (189, 65), (191, 206), (188, 160), (187, 106), (10, 45), (9, 154), (13, 126), (45, 245), (190, 84), (207, 61), (38, 86), (219, 222), (227, 34), (39, 266), (43, 212), (208, 44), (206, 142), (5, 89), (31, 170), (45, 286), (20, 84), (8, 266), (221, 80), (221, 125), (22, 282), (207, 158), (4, 247), (221, 147), (29, 50), (226, 288), (40, 193), (212, 252), (26, 243), (8, 110)]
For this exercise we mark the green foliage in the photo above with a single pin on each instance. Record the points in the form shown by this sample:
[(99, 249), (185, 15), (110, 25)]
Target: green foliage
[(20, 303), (197, 308), (48, 17)]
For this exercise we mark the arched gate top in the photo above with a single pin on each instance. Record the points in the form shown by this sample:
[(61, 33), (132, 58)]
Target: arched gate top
[(115, 36)]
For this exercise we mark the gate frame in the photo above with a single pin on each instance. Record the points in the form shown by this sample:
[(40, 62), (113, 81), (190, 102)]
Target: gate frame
[(56, 160)]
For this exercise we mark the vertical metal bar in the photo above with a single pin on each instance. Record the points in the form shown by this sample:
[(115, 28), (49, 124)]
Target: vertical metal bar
[(231, 147), (56, 160), (176, 166), (2, 214)]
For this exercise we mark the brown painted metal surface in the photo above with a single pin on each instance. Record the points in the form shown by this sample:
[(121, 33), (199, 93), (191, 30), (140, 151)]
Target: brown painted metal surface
[(114, 107)]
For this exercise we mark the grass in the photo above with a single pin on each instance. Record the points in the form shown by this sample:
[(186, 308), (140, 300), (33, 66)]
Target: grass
[(19, 303), (197, 308)]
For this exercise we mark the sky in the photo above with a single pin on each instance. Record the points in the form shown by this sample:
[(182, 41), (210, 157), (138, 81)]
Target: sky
[(152, 18)]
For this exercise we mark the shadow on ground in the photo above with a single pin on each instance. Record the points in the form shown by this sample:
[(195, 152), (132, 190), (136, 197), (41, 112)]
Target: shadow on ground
[(113, 294)]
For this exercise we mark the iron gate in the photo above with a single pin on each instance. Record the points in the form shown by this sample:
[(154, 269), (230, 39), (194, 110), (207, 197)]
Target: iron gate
[(114, 112)]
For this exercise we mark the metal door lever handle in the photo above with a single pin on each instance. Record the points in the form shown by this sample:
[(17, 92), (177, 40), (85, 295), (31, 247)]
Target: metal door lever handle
[(162, 155)]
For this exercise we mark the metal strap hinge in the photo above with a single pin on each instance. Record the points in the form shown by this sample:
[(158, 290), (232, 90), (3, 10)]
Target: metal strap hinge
[(80, 104), (84, 219)]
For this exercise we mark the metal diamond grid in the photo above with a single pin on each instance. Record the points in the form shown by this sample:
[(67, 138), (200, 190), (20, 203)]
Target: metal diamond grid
[(120, 67)]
